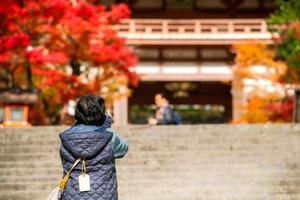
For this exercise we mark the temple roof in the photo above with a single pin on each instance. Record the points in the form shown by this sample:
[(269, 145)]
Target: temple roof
[(18, 96)]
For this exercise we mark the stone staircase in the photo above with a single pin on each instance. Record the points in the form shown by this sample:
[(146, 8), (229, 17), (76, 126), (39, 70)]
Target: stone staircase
[(207, 162)]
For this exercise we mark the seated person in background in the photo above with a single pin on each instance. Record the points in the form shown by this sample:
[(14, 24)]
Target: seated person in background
[(164, 113)]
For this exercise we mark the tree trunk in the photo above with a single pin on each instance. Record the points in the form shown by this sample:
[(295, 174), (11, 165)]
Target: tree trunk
[(75, 67), (28, 75)]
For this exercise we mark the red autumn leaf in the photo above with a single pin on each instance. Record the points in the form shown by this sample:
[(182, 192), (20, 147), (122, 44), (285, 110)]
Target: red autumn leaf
[(53, 38)]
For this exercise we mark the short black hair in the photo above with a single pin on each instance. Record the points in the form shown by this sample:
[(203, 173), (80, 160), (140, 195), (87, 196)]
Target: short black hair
[(163, 95), (90, 110)]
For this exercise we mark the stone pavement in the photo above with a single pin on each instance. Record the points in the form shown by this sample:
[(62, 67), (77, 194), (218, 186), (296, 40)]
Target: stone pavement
[(190, 162)]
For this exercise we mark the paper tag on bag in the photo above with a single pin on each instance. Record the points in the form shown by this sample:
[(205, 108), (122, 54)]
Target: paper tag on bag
[(84, 183)]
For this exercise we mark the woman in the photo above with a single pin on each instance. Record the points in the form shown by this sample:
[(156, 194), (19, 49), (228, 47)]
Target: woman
[(164, 113), (93, 141)]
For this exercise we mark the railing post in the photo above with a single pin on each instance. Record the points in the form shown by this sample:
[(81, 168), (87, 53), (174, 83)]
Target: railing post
[(197, 27), (247, 29), (181, 29), (263, 26), (165, 27), (230, 27), (148, 30), (214, 29), (132, 26)]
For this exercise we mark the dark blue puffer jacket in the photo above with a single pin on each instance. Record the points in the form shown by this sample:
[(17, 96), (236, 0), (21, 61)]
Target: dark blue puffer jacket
[(95, 145)]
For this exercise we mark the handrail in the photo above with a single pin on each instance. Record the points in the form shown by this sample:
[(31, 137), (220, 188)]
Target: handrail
[(193, 26), (193, 31)]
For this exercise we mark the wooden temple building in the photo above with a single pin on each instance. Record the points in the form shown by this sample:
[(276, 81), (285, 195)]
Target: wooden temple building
[(184, 50)]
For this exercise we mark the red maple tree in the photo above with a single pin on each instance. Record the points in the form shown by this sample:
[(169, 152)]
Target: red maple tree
[(50, 44)]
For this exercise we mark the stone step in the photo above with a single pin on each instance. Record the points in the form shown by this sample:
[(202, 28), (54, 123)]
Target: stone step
[(155, 169), (192, 162), (148, 149), (29, 195), (161, 145), (171, 144), (165, 141), (208, 162), (144, 164), (133, 130), (178, 183), (170, 157), (220, 131), (150, 177), (161, 149)]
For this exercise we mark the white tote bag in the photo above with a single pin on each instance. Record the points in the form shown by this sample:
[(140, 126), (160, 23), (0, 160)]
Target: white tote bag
[(57, 192), (54, 195)]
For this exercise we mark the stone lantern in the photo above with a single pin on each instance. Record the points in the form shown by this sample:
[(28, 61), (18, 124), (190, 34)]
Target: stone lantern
[(17, 107)]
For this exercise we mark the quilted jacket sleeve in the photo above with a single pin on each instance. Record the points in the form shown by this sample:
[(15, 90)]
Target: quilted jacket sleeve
[(120, 146)]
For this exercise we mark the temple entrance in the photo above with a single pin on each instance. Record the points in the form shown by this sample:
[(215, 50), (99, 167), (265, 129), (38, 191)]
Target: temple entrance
[(197, 102)]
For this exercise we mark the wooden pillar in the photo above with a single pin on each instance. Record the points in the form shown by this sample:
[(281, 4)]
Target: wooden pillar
[(297, 105), (120, 112)]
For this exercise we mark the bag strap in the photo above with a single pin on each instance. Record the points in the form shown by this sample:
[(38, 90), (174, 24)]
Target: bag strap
[(65, 179)]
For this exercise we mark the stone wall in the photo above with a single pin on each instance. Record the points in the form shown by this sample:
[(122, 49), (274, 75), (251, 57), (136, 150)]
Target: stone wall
[(205, 162)]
